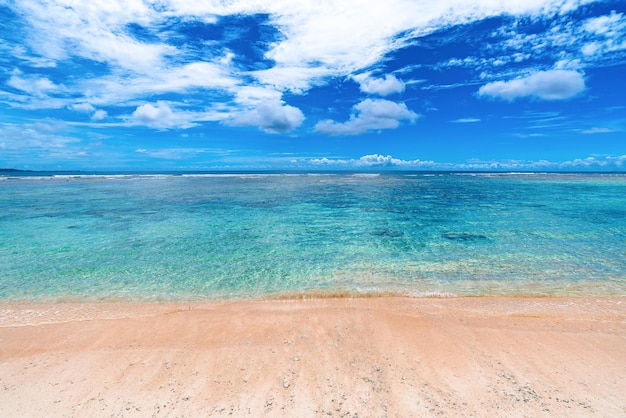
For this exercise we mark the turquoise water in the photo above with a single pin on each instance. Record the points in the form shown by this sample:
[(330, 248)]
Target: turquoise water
[(223, 236)]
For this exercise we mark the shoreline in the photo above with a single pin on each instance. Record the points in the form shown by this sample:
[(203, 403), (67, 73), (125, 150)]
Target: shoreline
[(34, 312), (346, 356)]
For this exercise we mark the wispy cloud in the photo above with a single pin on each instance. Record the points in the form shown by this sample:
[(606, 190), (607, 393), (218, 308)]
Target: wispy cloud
[(38, 143), (177, 154), (34, 85), (42, 135), (598, 130), (558, 41), (466, 120)]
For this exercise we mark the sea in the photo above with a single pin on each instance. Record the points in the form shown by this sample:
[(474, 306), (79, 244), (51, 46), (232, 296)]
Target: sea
[(262, 235)]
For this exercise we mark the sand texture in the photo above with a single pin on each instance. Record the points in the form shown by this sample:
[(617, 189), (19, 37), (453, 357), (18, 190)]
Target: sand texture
[(341, 357)]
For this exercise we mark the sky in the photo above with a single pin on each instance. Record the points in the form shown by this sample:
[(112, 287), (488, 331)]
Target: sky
[(529, 85)]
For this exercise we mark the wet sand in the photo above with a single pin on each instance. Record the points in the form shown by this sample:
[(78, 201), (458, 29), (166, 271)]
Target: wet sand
[(343, 357)]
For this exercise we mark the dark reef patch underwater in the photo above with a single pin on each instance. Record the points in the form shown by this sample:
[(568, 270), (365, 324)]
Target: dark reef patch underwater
[(463, 236)]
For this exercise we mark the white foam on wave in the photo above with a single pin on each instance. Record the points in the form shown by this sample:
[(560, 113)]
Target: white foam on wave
[(111, 176), (231, 175)]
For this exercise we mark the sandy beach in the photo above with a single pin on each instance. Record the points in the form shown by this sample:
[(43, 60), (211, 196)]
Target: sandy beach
[(343, 357)]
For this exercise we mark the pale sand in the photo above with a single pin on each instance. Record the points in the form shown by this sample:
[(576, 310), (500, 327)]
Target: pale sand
[(369, 357)]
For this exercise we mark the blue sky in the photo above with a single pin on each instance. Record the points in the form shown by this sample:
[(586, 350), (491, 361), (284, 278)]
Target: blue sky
[(299, 84)]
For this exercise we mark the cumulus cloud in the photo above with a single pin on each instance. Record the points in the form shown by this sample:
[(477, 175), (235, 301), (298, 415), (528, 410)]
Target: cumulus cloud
[(379, 160), (82, 107), (149, 114), (545, 85), (368, 115), (99, 115), (380, 86), (371, 160), (592, 163), (160, 116), (272, 116), (606, 162), (96, 114)]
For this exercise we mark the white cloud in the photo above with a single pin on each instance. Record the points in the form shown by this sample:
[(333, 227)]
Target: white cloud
[(317, 41), (295, 78), (148, 113), (595, 162), (349, 36), (590, 163), (380, 86), (116, 88), (93, 30), (186, 153), (605, 162), (271, 116), (371, 160), (610, 34), (99, 115), (609, 26), (23, 54), (545, 85), (160, 116), (600, 40), (591, 48), (34, 85), (34, 143), (378, 160), (207, 75), (253, 95), (369, 115), (598, 131), (466, 120), (83, 107), (96, 114), (569, 64), (173, 153)]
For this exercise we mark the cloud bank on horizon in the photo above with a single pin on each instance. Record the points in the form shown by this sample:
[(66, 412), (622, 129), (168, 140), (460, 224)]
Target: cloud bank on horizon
[(184, 84)]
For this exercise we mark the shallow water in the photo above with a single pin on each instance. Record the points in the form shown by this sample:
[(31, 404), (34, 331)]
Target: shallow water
[(196, 237)]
